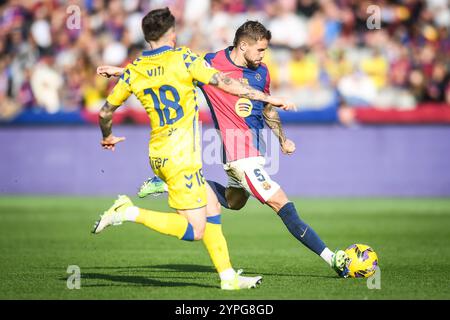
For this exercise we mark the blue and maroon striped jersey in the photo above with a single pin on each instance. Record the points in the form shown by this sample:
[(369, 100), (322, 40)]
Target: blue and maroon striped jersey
[(238, 120)]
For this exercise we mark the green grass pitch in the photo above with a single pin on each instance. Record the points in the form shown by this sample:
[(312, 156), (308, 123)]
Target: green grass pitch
[(41, 236)]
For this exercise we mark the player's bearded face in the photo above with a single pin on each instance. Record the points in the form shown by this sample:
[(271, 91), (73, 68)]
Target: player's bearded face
[(254, 53)]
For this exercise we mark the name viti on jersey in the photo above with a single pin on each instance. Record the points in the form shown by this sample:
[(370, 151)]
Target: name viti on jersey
[(158, 71)]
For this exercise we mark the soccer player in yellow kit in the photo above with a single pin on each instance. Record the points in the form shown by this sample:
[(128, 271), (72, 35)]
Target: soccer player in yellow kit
[(162, 79)]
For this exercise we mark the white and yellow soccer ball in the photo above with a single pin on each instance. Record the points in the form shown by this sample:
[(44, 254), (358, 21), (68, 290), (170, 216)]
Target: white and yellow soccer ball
[(363, 261)]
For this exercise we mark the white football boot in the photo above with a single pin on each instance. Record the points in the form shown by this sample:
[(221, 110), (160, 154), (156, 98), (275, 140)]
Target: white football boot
[(240, 282), (114, 215)]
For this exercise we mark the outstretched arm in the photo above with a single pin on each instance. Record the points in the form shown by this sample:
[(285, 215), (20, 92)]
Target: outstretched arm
[(105, 117), (273, 121), (110, 71), (222, 81), (237, 88)]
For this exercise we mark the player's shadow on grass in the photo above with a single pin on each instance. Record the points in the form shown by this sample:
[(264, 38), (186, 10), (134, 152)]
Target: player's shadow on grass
[(208, 269), (165, 267), (184, 268), (294, 275), (135, 280), (200, 268)]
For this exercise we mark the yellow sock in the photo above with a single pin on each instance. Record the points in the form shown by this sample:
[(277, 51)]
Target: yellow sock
[(216, 244), (167, 223)]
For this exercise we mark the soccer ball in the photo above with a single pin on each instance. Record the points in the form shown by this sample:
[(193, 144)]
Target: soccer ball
[(363, 261)]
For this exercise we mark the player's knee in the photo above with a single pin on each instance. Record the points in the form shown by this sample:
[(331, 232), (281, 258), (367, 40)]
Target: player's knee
[(278, 200), (198, 233), (214, 207)]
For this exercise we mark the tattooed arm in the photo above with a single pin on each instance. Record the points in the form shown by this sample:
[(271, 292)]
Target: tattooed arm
[(222, 81), (272, 119), (237, 88), (105, 117), (110, 71)]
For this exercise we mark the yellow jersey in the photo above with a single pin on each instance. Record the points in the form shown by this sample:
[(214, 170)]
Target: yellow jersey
[(162, 80)]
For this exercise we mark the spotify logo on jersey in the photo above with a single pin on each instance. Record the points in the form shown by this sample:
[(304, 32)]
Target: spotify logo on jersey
[(243, 107)]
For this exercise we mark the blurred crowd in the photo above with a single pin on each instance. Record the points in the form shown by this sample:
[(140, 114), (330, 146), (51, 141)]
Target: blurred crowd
[(354, 53)]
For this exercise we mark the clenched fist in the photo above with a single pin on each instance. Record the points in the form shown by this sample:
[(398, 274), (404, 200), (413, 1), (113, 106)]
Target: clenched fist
[(288, 147)]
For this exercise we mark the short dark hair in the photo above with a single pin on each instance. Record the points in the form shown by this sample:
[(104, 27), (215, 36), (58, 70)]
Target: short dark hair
[(156, 23), (252, 30)]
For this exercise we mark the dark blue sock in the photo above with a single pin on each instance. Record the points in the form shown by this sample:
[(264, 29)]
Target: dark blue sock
[(299, 229), (219, 190), (189, 234)]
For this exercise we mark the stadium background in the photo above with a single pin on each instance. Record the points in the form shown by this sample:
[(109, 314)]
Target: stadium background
[(373, 121), (323, 56)]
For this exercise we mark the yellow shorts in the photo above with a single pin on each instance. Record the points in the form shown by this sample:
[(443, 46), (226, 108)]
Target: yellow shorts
[(185, 182)]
